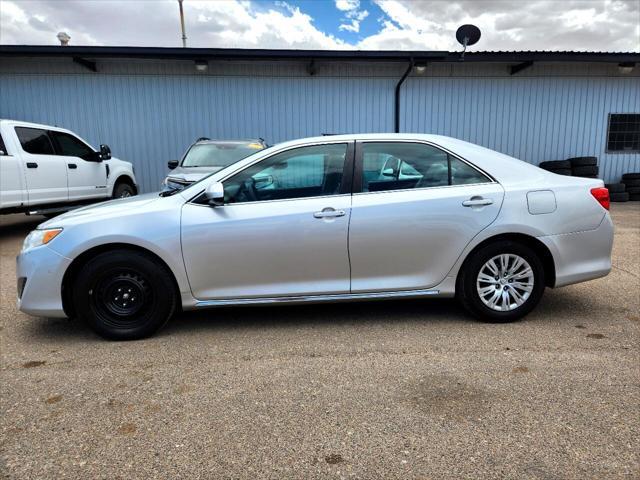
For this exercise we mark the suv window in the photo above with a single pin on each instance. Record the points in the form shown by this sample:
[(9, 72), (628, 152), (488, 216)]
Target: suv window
[(3, 149), (302, 172), (70, 146), (34, 140), (404, 165)]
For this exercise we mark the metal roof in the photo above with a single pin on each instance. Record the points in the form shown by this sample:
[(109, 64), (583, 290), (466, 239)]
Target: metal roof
[(176, 53)]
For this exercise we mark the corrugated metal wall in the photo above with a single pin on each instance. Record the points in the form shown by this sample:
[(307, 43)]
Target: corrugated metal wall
[(149, 112)]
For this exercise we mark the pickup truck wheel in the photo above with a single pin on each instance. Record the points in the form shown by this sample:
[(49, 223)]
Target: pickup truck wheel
[(123, 190), (124, 295)]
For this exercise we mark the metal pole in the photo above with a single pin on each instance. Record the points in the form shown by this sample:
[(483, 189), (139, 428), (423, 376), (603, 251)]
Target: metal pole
[(184, 35)]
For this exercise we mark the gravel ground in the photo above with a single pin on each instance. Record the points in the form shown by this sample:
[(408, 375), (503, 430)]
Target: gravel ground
[(411, 389)]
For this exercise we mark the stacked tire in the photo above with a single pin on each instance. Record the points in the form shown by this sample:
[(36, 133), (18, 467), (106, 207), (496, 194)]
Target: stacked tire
[(617, 192), (631, 182), (586, 167), (561, 167)]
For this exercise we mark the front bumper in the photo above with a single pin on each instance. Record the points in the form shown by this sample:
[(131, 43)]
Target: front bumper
[(581, 256), (39, 273)]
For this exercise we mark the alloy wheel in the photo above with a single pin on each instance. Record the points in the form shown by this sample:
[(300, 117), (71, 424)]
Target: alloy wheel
[(505, 282)]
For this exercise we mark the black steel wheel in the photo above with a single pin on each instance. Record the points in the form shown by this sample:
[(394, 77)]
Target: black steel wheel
[(124, 295)]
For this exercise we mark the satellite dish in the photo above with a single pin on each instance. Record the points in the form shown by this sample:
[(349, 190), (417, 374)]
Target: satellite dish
[(468, 35)]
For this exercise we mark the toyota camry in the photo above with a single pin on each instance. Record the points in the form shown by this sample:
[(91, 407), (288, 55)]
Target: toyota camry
[(348, 217)]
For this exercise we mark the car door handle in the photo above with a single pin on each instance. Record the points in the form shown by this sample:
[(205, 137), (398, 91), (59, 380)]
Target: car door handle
[(477, 202), (330, 213), (32, 165), (72, 165)]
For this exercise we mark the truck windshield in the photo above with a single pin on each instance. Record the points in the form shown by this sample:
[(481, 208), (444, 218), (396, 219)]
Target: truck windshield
[(218, 154)]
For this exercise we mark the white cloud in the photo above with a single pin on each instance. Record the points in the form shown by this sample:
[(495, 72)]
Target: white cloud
[(600, 25), (353, 15)]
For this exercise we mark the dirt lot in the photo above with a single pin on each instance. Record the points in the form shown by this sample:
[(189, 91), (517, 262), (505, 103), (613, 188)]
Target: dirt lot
[(411, 389)]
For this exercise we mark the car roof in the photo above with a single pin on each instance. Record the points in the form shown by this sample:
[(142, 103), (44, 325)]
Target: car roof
[(229, 142)]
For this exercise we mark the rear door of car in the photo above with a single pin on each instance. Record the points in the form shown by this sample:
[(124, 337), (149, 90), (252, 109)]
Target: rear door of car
[(45, 172), (415, 208), (86, 177)]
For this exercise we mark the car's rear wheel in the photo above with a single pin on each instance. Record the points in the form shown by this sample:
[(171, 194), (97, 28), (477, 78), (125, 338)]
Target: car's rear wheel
[(124, 295), (501, 282)]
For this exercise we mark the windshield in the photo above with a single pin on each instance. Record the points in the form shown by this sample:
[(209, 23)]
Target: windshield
[(218, 154)]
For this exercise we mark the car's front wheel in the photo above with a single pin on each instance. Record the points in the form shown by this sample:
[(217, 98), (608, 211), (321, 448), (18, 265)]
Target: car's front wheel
[(124, 295), (501, 282)]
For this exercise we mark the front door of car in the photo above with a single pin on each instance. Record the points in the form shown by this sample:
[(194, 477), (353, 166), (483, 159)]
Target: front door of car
[(413, 216), (45, 173), (87, 178), (282, 231)]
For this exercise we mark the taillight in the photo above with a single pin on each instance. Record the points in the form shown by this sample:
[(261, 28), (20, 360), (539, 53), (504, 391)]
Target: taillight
[(601, 194)]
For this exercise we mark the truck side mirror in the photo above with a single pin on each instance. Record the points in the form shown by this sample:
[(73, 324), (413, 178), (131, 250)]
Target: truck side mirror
[(105, 152), (172, 164)]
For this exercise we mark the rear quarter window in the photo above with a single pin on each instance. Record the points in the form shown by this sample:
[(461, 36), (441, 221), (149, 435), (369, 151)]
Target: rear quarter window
[(34, 141), (3, 149)]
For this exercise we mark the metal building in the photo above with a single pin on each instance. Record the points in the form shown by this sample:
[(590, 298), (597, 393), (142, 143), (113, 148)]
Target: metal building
[(150, 104)]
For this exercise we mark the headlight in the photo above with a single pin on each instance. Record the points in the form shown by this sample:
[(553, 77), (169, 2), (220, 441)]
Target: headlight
[(40, 237)]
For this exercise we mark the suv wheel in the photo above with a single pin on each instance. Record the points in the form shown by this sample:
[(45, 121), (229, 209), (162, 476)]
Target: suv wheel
[(502, 282), (124, 295)]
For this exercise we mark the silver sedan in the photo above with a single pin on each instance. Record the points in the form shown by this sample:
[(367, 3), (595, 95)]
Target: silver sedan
[(349, 217)]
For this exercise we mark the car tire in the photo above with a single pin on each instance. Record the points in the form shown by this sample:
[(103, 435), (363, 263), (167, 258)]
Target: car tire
[(123, 190), (583, 161), (619, 197), (632, 190), (615, 187), (471, 282), (634, 197), (631, 182), (124, 295), (630, 176), (588, 170), (555, 164)]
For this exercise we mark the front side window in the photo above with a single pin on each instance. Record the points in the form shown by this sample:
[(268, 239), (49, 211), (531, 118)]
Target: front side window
[(298, 173), (219, 154), (400, 166), (34, 141), (70, 146)]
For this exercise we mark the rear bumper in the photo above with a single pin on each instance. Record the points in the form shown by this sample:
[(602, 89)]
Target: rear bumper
[(581, 256), (39, 275)]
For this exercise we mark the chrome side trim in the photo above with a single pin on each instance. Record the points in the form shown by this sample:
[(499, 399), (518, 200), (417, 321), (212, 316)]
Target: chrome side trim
[(315, 298)]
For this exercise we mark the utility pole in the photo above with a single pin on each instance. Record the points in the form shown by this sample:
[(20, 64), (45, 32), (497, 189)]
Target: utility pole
[(184, 35)]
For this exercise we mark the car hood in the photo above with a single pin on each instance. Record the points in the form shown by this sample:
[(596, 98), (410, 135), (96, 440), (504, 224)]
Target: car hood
[(118, 207), (191, 174)]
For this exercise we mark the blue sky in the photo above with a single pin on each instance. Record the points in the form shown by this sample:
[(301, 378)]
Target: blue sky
[(581, 25)]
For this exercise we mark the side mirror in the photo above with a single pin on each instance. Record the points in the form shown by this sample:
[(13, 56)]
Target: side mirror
[(172, 164), (214, 194), (105, 152), (388, 172)]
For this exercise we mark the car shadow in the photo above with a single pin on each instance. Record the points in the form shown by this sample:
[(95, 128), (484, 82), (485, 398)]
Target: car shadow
[(557, 307), (18, 225)]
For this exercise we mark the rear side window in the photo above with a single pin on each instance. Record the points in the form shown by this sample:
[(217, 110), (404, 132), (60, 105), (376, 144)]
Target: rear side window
[(463, 174), (402, 166), (3, 149), (70, 146), (34, 141)]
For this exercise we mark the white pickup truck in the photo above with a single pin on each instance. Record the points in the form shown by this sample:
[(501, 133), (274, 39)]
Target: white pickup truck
[(48, 170)]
